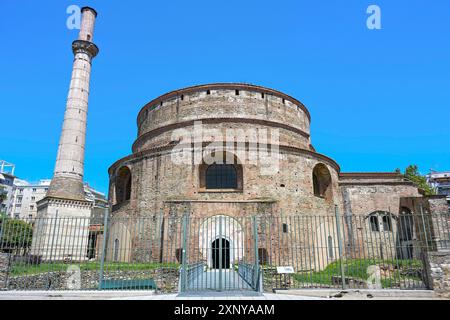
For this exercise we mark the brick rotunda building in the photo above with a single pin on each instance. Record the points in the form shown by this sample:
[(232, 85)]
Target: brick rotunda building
[(298, 180)]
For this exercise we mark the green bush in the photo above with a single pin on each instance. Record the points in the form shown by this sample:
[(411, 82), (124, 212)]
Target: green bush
[(15, 235)]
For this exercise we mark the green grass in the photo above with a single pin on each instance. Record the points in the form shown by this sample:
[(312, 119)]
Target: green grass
[(357, 269), (26, 269)]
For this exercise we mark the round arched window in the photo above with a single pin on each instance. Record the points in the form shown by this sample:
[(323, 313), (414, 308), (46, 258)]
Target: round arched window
[(123, 185)]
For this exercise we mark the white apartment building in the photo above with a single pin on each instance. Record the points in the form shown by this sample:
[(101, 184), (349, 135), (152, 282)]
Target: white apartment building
[(25, 195), (7, 179), (440, 181)]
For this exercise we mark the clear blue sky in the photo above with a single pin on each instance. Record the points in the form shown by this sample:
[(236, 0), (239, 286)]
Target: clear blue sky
[(379, 99)]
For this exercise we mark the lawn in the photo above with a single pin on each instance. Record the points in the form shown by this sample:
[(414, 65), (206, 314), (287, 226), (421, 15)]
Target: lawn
[(27, 269), (393, 272)]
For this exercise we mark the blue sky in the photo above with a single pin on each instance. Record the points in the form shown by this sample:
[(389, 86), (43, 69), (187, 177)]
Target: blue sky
[(379, 99)]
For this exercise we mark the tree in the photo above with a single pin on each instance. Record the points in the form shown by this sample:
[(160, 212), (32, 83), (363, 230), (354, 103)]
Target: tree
[(15, 235), (412, 173)]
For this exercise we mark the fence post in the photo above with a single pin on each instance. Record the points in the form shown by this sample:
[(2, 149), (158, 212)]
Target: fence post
[(220, 253), (53, 236), (183, 274), (427, 246), (105, 239), (256, 265), (51, 250), (338, 229)]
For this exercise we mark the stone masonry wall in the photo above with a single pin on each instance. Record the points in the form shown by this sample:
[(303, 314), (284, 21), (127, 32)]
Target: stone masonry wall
[(223, 103), (4, 267), (166, 279), (439, 266)]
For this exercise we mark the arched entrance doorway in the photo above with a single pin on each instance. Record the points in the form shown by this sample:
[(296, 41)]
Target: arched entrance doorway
[(220, 253), (231, 231), (405, 234)]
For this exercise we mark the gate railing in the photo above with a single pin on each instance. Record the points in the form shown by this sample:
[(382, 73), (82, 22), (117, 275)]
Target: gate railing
[(190, 275), (250, 274)]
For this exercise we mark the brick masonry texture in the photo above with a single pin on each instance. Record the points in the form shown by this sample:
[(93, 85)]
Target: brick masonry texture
[(157, 182), (161, 186)]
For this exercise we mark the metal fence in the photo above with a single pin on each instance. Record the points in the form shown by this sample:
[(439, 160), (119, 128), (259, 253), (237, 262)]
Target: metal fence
[(378, 251), (221, 253)]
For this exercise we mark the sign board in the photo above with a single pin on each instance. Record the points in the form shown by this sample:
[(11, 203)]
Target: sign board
[(96, 228), (287, 269)]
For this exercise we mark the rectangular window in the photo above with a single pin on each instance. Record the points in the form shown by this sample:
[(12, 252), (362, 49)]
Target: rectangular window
[(387, 224), (285, 228), (330, 247), (373, 220)]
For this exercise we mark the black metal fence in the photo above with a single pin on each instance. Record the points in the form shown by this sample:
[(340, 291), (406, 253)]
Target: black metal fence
[(183, 254), (379, 251)]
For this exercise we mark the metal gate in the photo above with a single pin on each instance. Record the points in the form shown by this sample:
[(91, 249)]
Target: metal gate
[(220, 253)]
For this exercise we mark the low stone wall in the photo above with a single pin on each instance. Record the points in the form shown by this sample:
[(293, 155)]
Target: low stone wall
[(166, 279), (439, 266), (4, 266)]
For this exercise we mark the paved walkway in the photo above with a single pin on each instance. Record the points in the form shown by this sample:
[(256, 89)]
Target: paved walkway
[(149, 295), (140, 295), (216, 280)]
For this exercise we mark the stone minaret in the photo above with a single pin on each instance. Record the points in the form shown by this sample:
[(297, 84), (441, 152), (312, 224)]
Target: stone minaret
[(61, 230), (67, 180)]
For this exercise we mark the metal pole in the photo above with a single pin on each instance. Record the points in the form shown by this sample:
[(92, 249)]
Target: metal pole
[(51, 250), (183, 256), (338, 229), (53, 236), (220, 253), (256, 265), (102, 261), (424, 229)]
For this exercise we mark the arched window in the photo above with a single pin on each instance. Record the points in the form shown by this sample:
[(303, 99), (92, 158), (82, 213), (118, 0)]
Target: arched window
[(377, 217), (221, 176), (116, 250), (123, 185), (321, 181), (373, 221), (316, 185), (224, 174), (387, 223)]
